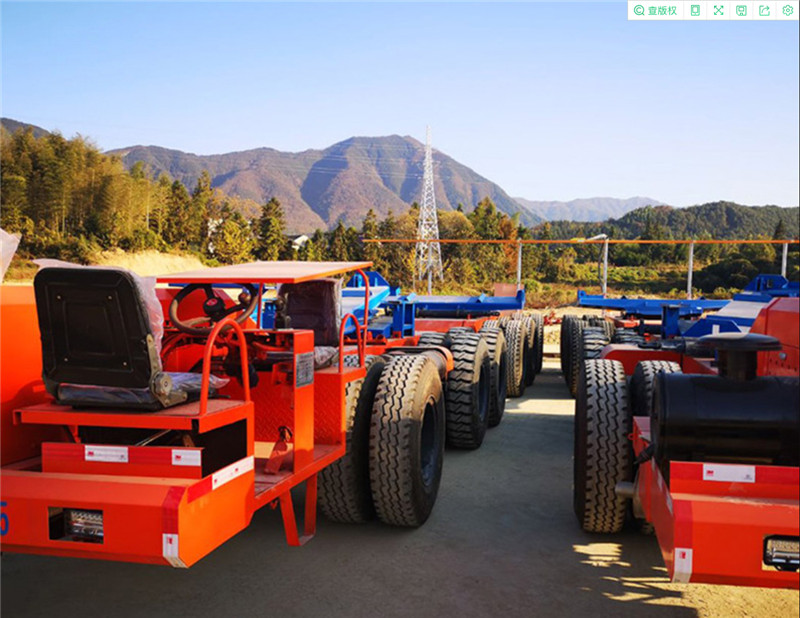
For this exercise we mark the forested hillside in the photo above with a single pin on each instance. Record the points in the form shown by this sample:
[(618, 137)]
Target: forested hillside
[(721, 220), (68, 200)]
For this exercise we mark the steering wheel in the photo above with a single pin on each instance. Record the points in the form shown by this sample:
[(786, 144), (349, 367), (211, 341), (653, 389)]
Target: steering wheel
[(213, 307)]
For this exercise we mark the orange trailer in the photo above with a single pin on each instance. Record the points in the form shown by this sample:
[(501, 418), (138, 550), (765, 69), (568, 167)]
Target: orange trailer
[(702, 450), (114, 447)]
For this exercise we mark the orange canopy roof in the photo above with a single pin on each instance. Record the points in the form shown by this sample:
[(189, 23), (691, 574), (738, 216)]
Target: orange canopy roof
[(265, 272)]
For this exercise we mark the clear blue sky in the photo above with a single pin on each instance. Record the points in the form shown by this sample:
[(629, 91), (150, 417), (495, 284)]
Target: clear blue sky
[(550, 100)]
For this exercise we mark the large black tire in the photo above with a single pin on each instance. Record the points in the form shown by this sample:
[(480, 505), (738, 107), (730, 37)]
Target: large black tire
[(608, 328), (539, 319), (594, 340), (643, 383), (490, 323), (456, 331), (566, 325), (642, 388), (627, 335), (504, 320), (575, 355), (603, 453), (406, 441), (434, 338), (530, 349), (468, 392), (496, 341), (515, 342), (344, 493)]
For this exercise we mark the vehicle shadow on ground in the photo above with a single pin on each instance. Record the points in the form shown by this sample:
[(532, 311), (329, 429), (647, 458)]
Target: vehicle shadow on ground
[(624, 575), (614, 575)]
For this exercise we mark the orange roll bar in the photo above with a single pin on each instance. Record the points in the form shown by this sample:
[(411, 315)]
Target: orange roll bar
[(207, 361)]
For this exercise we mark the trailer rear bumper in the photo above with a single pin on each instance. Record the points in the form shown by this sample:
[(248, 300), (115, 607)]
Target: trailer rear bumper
[(721, 540), (174, 521), (713, 520)]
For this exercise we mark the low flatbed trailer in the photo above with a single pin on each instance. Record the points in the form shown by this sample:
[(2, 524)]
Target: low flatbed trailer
[(520, 348), (702, 445), (660, 328)]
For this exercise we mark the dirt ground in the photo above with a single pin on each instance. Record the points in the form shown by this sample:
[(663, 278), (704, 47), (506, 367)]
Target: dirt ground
[(502, 540), (552, 331), (149, 263)]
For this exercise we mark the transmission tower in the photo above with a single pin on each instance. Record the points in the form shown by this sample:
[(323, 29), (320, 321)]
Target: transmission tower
[(429, 254)]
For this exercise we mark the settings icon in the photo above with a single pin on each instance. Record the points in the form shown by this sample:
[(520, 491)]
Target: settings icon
[(788, 10)]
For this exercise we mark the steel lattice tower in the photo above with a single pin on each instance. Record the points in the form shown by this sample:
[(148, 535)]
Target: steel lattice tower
[(429, 254)]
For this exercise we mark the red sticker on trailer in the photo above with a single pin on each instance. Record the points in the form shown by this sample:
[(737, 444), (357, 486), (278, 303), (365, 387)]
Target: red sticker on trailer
[(186, 457), (729, 473), (682, 568), (112, 454)]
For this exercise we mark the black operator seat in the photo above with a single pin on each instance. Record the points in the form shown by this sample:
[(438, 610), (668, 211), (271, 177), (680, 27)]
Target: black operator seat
[(98, 345), (315, 305)]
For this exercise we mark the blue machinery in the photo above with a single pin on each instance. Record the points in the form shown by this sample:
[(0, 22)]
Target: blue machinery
[(678, 317), (649, 308), (736, 315), (405, 307)]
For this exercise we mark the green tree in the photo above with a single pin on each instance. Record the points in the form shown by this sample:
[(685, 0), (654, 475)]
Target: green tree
[(338, 249), (159, 204), (369, 230), (178, 215), (233, 240), (486, 221), (197, 216), (271, 239), (780, 231), (547, 261)]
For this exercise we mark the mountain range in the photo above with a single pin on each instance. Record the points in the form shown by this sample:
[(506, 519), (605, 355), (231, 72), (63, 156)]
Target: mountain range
[(318, 188), (342, 182), (586, 209)]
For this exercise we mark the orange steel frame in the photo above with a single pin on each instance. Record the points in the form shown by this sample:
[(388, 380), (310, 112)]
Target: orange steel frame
[(711, 519), (631, 355), (712, 530), (158, 505), (442, 325)]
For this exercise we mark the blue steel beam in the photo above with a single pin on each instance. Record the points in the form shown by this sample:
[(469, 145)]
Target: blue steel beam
[(649, 307)]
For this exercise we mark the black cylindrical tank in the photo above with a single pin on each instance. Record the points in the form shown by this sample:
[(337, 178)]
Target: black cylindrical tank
[(710, 418)]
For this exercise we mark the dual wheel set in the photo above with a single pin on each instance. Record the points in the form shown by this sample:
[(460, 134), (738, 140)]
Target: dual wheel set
[(606, 402), (405, 410), (583, 338)]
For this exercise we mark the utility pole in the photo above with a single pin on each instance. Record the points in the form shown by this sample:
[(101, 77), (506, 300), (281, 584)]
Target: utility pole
[(784, 258), (603, 266), (429, 252)]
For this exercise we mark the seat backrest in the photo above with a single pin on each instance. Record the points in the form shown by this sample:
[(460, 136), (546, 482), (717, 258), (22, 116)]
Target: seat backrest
[(94, 329), (315, 305)]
